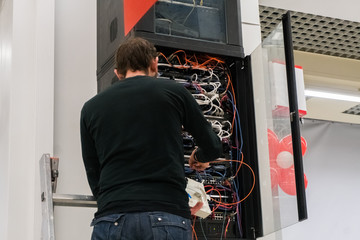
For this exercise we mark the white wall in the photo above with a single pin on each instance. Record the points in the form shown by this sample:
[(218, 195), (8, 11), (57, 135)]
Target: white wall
[(26, 111), (332, 167), (75, 82), (5, 76), (251, 31)]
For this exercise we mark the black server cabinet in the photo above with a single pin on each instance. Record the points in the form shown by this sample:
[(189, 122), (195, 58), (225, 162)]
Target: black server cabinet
[(110, 32), (209, 28)]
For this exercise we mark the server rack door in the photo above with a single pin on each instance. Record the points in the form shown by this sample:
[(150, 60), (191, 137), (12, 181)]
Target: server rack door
[(280, 199)]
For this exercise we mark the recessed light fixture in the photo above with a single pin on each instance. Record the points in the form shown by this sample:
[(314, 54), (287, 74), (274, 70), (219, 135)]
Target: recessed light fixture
[(330, 95)]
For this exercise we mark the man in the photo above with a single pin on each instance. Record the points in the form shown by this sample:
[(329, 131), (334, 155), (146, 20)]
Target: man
[(133, 151)]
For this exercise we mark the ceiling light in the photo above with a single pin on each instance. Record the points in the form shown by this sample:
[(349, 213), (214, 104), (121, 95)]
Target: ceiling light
[(330, 95)]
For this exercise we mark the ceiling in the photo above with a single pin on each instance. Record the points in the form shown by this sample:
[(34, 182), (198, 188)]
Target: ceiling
[(317, 34), (328, 49)]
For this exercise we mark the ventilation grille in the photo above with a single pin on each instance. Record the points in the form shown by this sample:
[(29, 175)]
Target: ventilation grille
[(317, 34), (354, 110)]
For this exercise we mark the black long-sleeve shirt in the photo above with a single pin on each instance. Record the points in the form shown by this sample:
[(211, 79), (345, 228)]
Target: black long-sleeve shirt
[(132, 146)]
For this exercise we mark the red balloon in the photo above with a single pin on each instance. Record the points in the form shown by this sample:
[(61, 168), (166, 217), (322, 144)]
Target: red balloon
[(286, 144), (305, 181), (287, 181), (303, 146), (273, 152), (273, 146)]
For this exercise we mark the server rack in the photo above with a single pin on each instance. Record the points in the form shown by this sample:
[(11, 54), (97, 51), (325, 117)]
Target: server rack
[(228, 46)]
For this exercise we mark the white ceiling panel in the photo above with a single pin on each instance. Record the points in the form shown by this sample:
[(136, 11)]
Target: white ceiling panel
[(331, 110)]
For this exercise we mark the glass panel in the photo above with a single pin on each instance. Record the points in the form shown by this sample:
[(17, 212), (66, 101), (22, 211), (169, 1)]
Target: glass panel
[(192, 19), (281, 161)]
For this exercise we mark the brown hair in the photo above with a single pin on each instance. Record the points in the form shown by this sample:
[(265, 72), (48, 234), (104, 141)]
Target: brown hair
[(134, 54)]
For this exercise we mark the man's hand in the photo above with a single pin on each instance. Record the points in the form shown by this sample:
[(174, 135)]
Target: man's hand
[(194, 164), (196, 208)]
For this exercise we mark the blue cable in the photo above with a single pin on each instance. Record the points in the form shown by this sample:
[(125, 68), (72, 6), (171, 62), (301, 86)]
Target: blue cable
[(238, 209), (199, 176), (222, 175), (238, 120), (239, 151)]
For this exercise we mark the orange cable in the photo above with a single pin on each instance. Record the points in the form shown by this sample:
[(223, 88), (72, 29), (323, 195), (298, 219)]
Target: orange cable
[(233, 94), (241, 162), (214, 189), (252, 188), (227, 225), (193, 228)]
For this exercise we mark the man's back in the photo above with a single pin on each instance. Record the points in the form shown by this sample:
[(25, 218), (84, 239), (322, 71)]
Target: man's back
[(136, 128), (133, 152)]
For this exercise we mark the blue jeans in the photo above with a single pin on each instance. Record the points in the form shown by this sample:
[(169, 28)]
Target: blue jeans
[(141, 226)]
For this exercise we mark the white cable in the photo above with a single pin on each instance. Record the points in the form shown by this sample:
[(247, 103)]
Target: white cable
[(202, 99), (219, 128), (196, 77), (215, 86)]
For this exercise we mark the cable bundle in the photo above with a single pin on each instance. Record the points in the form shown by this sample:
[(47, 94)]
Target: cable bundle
[(208, 79)]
